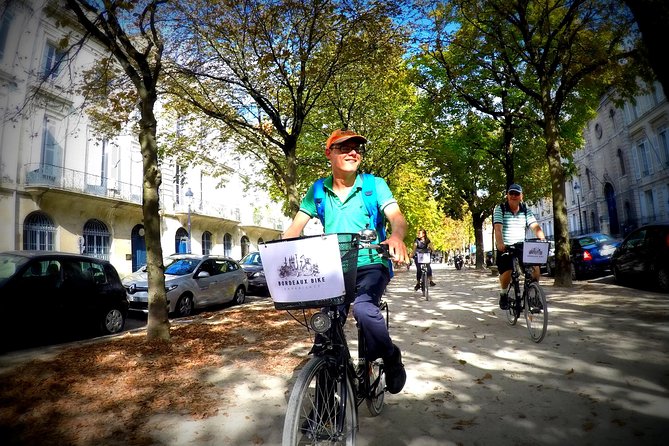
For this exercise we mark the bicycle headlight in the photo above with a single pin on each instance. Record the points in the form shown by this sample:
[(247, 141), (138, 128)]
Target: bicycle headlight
[(320, 322)]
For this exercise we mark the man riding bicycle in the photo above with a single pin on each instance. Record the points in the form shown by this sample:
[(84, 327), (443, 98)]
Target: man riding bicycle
[(345, 211), (511, 220)]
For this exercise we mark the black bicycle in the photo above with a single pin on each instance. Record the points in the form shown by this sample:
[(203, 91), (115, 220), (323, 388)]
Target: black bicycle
[(323, 404), (423, 258), (532, 300)]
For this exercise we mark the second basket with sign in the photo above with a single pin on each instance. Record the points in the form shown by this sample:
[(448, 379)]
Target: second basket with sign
[(311, 272), (535, 253)]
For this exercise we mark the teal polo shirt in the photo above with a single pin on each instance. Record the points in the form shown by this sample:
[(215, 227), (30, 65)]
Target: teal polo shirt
[(350, 215)]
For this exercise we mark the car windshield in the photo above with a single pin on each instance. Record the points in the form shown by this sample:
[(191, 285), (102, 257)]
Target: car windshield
[(180, 267), (252, 259), (9, 264), (595, 238)]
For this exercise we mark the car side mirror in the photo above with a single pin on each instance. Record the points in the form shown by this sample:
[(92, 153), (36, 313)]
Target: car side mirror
[(202, 274)]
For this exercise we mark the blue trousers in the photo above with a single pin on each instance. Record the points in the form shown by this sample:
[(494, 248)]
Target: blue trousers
[(371, 283)]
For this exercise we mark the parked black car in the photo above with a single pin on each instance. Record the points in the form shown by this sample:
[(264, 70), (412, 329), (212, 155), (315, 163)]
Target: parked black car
[(643, 257), (590, 254), (252, 264), (50, 294)]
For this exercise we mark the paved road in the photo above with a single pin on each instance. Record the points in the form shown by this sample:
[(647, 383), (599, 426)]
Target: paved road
[(601, 376)]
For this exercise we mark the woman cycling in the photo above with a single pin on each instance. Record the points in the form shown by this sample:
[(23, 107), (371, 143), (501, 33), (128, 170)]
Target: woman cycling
[(422, 244)]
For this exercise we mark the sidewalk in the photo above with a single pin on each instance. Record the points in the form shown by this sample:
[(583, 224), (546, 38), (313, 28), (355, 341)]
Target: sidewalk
[(601, 376)]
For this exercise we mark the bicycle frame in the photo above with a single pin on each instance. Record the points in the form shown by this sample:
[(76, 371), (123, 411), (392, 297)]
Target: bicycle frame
[(424, 279), (323, 405), (336, 346), (519, 302)]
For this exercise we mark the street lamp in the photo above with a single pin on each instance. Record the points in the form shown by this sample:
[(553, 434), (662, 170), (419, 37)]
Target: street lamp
[(577, 189), (189, 198)]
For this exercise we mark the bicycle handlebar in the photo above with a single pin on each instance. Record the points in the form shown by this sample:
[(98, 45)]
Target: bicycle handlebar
[(382, 250)]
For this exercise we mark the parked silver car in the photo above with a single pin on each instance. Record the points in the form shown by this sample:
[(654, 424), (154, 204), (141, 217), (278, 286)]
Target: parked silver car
[(192, 281)]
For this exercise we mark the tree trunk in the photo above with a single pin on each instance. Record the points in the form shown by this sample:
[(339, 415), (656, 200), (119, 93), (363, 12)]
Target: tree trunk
[(158, 325), (290, 181), (477, 223), (562, 261)]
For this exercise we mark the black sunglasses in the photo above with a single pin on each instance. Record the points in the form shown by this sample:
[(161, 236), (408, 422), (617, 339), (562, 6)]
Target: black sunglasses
[(348, 148), (514, 193)]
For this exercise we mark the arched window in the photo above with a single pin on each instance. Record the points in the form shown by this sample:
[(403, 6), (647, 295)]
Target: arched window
[(181, 241), (227, 245), (245, 242), (96, 239), (39, 232), (206, 243)]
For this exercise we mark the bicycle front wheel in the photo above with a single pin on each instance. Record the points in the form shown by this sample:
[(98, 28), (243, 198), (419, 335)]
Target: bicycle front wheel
[(321, 409), (376, 383), (425, 286), (511, 313), (536, 312)]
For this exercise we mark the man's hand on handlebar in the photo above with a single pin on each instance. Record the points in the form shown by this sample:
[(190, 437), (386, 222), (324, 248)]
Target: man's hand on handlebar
[(397, 249)]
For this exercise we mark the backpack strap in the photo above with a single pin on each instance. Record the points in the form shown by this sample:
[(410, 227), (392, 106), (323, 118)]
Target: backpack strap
[(376, 218), (319, 200)]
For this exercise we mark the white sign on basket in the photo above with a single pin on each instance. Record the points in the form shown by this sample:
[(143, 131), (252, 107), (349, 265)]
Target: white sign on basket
[(304, 269), (535, 252), (423, 257)]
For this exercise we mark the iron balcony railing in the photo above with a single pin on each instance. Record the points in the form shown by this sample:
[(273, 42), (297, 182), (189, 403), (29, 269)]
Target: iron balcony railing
[(47, 175), (76, 181)]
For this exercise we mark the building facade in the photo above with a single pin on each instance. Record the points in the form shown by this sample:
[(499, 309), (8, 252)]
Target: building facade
[(64, 187), (622, 179)]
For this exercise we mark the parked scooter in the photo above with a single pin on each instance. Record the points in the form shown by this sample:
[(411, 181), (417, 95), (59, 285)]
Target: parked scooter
[(458, 261)]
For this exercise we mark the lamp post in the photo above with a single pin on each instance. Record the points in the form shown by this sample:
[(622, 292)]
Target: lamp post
[(577, 189), (189, 199)]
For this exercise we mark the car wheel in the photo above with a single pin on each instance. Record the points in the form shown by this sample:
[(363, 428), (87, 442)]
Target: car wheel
[(240, 296), (184, 306), (618, 275), (663, 279), (113, 322)]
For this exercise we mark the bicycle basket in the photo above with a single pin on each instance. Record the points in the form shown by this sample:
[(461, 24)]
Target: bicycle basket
[(423, 256), (535, 253), (311, 272)]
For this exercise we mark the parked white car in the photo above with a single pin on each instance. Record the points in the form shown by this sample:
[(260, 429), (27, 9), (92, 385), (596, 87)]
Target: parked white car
[(192, 282)]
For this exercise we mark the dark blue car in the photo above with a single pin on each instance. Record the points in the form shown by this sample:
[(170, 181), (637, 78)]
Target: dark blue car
[(590, 255)]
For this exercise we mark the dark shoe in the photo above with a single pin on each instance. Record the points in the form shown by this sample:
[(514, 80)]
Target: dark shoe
[(396, 376), (503, 301), (417, 287), (432, 283)]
